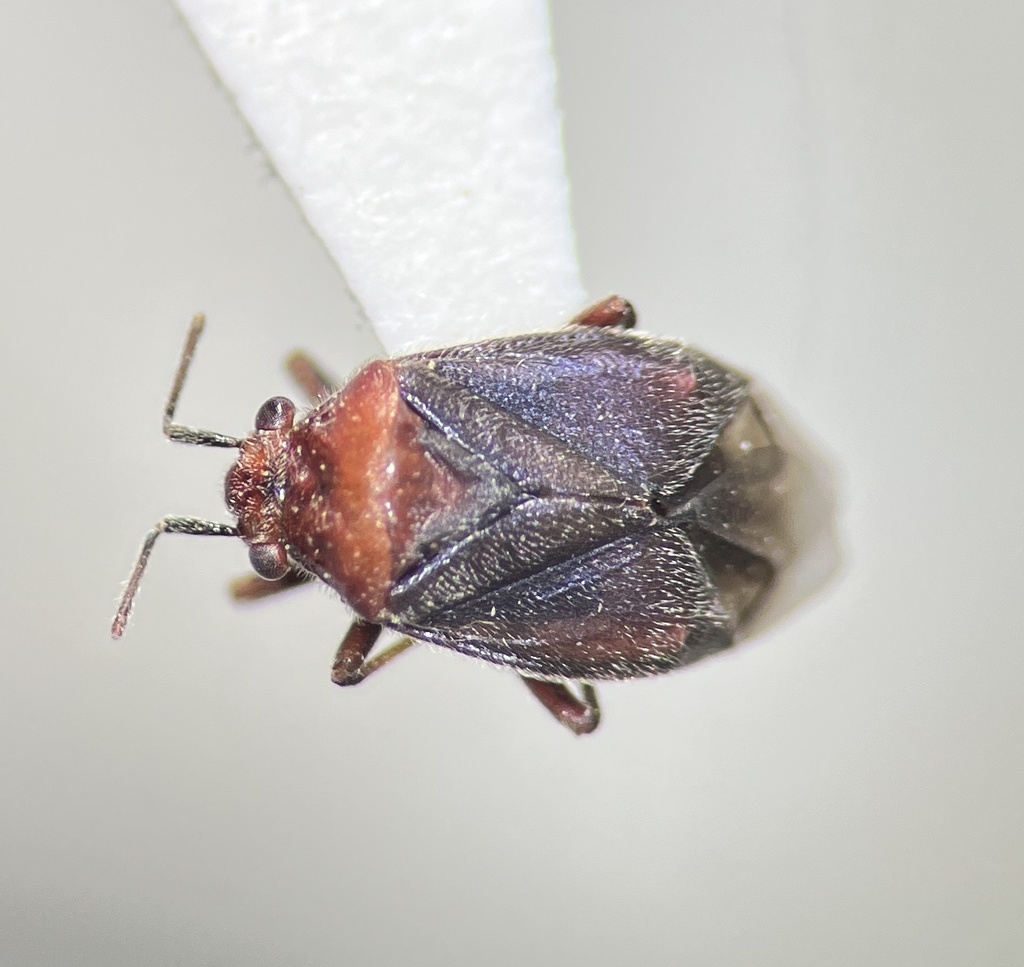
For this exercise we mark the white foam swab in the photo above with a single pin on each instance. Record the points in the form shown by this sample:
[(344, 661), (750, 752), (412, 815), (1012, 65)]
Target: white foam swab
[(422, 141)]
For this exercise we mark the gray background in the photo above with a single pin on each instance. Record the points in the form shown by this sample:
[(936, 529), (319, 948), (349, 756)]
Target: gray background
[(846, 791)]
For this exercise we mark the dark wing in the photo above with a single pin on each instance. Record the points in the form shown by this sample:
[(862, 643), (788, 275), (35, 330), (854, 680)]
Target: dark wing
[(638, 605), (648, 411), (528, 539), (606, 434)]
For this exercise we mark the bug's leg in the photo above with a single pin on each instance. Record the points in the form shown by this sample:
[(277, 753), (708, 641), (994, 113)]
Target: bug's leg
[(580, 715), (251, 587), (613, 312), (351, 665), (315, 383)]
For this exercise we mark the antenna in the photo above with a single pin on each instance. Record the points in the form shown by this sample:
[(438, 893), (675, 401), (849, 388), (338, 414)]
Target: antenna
[(173, 524), (178, 431)]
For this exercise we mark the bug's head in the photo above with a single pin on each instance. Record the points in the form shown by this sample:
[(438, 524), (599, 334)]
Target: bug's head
[(254, 488)]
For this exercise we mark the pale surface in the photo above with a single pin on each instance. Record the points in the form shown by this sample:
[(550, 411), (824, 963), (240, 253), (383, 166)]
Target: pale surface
[(845, 792), (422, 141)]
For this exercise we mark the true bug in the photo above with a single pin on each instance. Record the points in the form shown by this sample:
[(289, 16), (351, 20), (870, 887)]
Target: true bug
[(578, 505)]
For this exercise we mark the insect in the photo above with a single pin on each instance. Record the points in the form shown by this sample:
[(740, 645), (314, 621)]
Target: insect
[(579, 505)]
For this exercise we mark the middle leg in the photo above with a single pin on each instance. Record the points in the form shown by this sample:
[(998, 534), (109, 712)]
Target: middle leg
[(352, 663)]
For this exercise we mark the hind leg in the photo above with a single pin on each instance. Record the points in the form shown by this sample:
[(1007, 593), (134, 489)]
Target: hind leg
[(578, 714)]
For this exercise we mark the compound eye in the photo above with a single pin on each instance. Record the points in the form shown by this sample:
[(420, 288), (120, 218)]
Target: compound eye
[(269, 561), (276, 414)]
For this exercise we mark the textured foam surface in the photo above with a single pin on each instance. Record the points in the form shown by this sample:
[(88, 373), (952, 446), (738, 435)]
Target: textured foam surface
[(423, 143)]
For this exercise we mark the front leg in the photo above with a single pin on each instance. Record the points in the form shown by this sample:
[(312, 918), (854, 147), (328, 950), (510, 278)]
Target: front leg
[(251, 587), (351, 664), (314, 380)]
